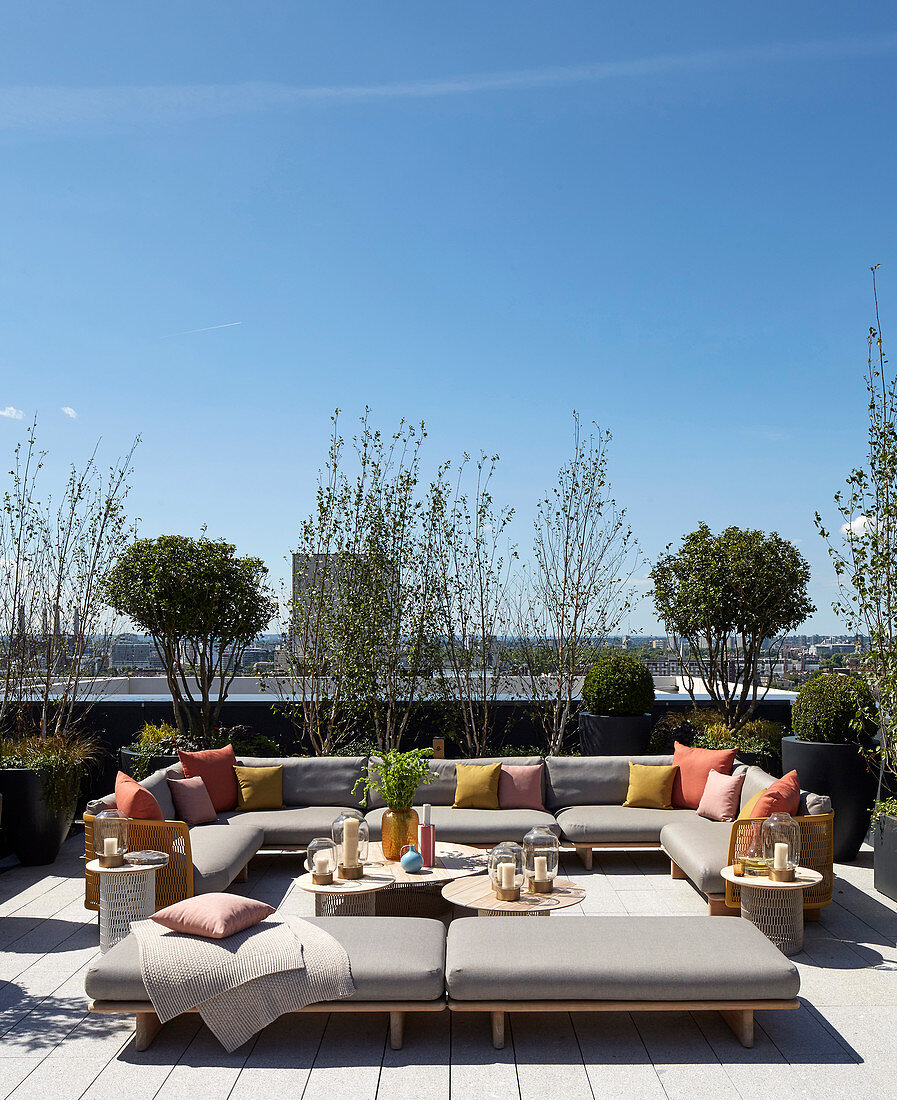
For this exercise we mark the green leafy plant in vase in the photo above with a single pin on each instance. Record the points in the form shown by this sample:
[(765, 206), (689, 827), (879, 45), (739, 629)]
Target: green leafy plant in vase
[(395, 777)]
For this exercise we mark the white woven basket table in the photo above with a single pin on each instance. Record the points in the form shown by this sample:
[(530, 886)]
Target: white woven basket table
[(776, 908), (127, 893)]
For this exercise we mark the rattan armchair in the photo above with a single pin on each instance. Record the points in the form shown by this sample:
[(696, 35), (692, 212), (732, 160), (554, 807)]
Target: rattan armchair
[(174, 882), (816, 852)]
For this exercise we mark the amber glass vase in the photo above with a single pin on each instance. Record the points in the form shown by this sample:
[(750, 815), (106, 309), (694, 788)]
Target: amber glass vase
[(397, 828)]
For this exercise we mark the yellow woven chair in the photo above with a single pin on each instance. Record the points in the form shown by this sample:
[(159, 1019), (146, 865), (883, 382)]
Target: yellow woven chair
[(816, 852), (174, 882)]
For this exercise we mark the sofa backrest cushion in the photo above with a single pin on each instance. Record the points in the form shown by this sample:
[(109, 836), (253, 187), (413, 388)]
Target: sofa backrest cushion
[(591, 780), (157, 785), (317, 780), (441, 792), (757, 780)]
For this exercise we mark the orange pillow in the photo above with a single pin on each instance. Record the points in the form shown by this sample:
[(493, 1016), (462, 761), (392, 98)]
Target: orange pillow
[(215, 767), (136, 801), (781, 797), (694, 767)]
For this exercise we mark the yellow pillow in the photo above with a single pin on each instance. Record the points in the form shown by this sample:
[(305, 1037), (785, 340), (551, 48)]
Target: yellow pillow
[(651, 786), (748, 810), (477, 786), (260, 788)]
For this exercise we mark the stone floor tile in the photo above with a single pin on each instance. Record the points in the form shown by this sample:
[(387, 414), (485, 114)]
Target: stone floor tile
[(479, 1072)]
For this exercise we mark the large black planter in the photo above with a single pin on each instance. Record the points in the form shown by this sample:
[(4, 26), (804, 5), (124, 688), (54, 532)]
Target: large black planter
[(885, 873), (841, 772), (127, 757), (35, 833), (600, 735)]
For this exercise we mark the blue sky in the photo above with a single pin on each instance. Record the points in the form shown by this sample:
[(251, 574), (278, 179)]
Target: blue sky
[(481, 216)]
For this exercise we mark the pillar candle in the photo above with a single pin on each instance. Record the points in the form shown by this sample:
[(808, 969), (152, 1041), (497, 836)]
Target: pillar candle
[(322, 863), (540, 868), (350, 842), (506, 876), (780, 859), (110, 846)]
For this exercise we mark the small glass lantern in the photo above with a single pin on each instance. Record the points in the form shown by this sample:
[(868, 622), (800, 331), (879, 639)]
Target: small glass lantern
[(351, 837), (320, 859), (541, 853), (781, 846), (110, 837), (506, 870)]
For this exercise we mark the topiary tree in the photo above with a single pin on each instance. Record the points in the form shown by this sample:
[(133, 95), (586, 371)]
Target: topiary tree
[(202, 605), (618, 685), (836, 709), (732, 598)]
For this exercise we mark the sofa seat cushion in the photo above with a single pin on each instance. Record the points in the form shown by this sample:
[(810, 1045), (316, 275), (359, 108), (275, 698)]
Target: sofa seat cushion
[(616, 959), (701, 848), (291, 825), (392, 959), (220, 852), (476, 827), (617, 824)]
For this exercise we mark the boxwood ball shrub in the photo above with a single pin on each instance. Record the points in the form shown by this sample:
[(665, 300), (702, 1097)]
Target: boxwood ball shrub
[(836, 709), (618, 685)]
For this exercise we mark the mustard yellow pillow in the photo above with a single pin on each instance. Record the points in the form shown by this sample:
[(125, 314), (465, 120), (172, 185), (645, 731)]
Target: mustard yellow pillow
[(651, 786), (748, 810), (260, 788), (477, 786)]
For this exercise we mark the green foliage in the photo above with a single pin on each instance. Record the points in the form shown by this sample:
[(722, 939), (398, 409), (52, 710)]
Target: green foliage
[(618, 685), (60, 761), (150, 735), (887, 807), (398, 776), (759, 737), (836, 709)]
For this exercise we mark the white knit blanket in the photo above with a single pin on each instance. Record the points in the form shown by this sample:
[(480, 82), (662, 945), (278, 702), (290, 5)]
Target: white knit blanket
[(242, 983)]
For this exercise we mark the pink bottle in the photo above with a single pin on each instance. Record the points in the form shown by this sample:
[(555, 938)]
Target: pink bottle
[(427, 838)]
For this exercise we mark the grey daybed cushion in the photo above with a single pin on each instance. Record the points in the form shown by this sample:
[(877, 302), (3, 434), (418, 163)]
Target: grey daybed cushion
[(701, 848), (317, 780), (292, 825), (615, 959), (476, 827), (617, 824), (392, 959), (591, 780), (220, 852)]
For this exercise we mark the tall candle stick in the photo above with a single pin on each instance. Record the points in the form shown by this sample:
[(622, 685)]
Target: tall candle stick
[(780, 858), (506, 876), (540, 868), (350, 842)]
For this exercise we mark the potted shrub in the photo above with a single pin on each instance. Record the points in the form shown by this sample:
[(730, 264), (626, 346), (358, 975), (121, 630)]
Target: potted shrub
[(618, 696), (40, 780), (396, 777), (884, 834), (156, 747), (758, 742), (830, 748)]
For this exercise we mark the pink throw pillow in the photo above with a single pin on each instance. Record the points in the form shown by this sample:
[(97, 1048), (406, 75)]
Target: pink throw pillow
[(191, 800), (520, 787), (214, 916), (719, 802), (216, 769)]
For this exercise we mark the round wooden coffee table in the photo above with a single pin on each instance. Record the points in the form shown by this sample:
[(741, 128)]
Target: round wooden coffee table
[(477, 893), (776, 908), (420, 893), (346, 897)]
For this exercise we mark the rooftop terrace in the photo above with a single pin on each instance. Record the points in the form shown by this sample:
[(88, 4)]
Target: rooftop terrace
[(839, 1043)]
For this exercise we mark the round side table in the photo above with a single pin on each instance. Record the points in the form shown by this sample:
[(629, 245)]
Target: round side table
[(352, 897), (477, 893), (127, 893), (776, 908)]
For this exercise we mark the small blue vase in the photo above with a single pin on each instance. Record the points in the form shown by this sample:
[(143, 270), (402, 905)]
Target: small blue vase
[(411, 860)]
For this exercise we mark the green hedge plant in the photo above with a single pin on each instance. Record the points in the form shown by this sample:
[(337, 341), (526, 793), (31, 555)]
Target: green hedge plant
[(618, 685), (834, 709)]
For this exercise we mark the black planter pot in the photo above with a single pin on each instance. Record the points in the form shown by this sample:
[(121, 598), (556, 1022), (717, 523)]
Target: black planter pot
[(127, 758), (601, 735), (885, 871), (841, 772), (34, 831)]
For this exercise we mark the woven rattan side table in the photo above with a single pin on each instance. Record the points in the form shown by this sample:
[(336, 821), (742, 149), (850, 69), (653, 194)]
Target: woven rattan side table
[(346, 897), (776, 908), (127, 893)]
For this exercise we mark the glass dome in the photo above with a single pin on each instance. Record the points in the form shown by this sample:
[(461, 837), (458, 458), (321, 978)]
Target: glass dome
[(351, 837), (541, 854), (506, 869), (320, 859), (780, 835), (110, 837)]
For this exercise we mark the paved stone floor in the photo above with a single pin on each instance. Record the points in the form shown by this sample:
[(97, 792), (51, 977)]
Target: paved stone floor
[(841, 1043)]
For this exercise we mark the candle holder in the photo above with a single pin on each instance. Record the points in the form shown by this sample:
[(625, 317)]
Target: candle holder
[(506, 870), (541, 855), (110, 837), (780, 837), (351, 837), (321, 860)]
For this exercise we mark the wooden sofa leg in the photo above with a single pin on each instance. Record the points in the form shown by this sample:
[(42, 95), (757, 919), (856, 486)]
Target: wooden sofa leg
[(147, 1028), (498, 1030), (676, 871), (716, 907), (741, 1021), (396, 1030), (585, 854), (243, 876)]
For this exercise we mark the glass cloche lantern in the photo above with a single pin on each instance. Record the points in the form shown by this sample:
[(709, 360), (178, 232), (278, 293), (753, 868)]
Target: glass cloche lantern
[(541, 853), (780, 837), (506, 870), (351, 837), (320, 859), (110, 837)]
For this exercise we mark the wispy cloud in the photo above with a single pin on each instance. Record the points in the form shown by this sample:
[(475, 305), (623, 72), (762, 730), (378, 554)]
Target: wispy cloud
[(69, 412), (208, 328), (12, 413), (856, 526), (62, 107)]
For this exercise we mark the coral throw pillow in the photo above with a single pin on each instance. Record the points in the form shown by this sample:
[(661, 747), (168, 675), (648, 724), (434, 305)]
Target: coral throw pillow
[(694, 767), (260, 788), (477, 786), (520, 787), (191, 800), (136, 801), (781, 797), (650, 786), (719, 802), (215, 916), (215, 767)]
